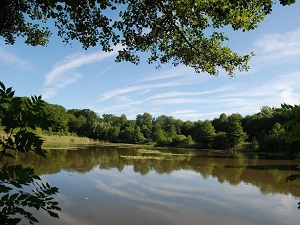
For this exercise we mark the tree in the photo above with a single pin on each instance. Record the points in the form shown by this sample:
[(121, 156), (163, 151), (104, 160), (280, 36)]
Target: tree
[(85, 123), (221, 123), (291, 115), (235, 133), (273, 142), (123, 121), (161, 137), (57, 118), (187, 128), (204, 133), (132, 135), (21, 115), (182, 32), (220, 141), (182, 141), (145, 123)]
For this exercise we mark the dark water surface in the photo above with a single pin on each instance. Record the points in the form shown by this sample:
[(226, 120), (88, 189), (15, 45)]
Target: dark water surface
[(110, 185)]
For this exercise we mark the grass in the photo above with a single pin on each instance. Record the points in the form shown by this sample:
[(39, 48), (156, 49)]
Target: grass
[(66, 139), (150, 151), (66, 142)]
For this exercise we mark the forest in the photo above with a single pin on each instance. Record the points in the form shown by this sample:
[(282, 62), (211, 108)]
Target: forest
[(273, 131), (174, 35), (269, 131)]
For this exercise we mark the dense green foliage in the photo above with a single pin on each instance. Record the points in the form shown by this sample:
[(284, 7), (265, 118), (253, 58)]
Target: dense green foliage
[(20, 188), (182, 32), (271, 130)]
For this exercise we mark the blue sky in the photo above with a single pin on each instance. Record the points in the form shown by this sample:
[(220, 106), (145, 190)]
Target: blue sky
[(75, 78)]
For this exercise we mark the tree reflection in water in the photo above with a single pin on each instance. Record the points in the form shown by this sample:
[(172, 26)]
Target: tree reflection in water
[(267, 174)]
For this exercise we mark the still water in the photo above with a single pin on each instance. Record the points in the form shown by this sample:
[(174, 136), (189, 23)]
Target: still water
[(110, 185)]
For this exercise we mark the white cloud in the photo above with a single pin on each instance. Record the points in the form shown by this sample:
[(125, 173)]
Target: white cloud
[(49, 93), (64, 74), (193, 105), (172, 101), (283, 47), (193, 114), (288, 42), (72, 62), (288, 87), (179, 76), (11, 59), (121, 91), (173, 94)]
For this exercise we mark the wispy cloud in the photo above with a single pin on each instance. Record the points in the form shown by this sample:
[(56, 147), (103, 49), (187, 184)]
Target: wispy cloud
[(175, 78), (279, 47), (174, 72), (64, 73), (193, 114), (283, 88), (8, 58), (116, 92), (231, 98), (173, 94)]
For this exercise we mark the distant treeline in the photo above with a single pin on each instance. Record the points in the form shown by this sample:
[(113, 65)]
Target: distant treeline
[(263, 131)]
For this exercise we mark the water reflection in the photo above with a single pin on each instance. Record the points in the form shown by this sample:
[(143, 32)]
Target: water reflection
[(109, 185), (267, 174)]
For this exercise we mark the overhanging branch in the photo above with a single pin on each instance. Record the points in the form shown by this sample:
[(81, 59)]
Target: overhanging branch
[(3, 5)]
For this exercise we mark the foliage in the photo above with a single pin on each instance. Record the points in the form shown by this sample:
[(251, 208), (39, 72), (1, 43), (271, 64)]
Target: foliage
[(220, 124), (292, 122), (220, 141), (265, 131), (182, 141), (161, 137), (204, 133), (14, 196), (235, 133), (182, 32), (57, 118), (132, 135), (19, 115)]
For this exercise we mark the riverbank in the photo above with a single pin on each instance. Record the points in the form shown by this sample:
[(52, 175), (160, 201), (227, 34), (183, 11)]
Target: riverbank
[(73, 140)]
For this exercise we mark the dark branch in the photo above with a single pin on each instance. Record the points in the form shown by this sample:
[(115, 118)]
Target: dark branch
[(165, 10)]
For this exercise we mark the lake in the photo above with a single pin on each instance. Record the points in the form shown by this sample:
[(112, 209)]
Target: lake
[(118, 185)]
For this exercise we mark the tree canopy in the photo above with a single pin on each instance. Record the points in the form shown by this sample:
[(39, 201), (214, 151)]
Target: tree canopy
[(182, 32)]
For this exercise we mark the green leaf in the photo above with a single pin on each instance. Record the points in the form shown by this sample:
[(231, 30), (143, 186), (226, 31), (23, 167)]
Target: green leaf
[(22, 196), (16, 184), (12, 221), (4, 189), (53, 214), (2, 86), (11, 94), (5, 198), (14, 196), (8, 90), (59, 7)]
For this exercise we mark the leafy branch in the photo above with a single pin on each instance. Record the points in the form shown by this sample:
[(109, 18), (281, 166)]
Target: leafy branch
[(19, 115)]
